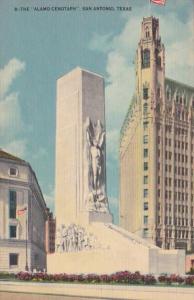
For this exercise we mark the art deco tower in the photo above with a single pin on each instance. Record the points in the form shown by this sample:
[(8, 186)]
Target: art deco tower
[(156, 161)]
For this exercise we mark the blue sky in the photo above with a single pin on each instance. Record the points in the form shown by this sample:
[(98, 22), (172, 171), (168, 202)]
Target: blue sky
[(37, 47)]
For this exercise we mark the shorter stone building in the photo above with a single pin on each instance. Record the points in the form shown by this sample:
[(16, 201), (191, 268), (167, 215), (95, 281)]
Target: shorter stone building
[(50, 232), (22, 216), (189, 265)]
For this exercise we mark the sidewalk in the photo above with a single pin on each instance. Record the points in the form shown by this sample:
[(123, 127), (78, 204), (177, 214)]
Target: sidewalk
[(92, 291)]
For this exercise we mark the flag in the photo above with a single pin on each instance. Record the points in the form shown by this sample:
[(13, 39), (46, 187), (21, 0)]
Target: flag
[(159, 2), (21, 211)]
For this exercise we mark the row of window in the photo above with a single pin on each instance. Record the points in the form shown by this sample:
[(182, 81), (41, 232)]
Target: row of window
[(178, 144), (177, 182), (177, 221), (177, 234), (180, 183), (177, 195), (179, 99), (177, 156), (182, 196), (177, 130), (177, 207), (177, 170)]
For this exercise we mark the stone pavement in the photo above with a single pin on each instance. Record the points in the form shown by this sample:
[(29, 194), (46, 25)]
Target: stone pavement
[(58, 291)]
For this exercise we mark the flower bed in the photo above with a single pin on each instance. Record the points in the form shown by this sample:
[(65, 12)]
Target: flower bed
[(118, 278)]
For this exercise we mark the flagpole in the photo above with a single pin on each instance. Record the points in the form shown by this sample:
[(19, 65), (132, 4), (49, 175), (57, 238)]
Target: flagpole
[(26, 267), (150, 8)]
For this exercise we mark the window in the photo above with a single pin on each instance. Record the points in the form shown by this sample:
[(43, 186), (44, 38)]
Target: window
[(145, 125), (145, 193), (145, 220), (145, 232), (147, 33), (13, 171), (146, 58), (145, 206), (13, 259), (145, 139), (145, 166), (145, 108), (12, 204), (145, 93), (159, 61), (158, 92), (145, 180), (170, 181), (12, 231), (145, 152), (167, 95)]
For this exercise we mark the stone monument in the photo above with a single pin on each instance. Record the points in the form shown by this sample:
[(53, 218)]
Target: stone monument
[(80, 149), (86, 239)]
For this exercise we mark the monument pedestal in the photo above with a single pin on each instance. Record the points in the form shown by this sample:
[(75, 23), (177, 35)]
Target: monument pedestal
[(94, 216), (116, 250)]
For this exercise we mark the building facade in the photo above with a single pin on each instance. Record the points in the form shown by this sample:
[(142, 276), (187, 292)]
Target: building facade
[(50, 232), (22, 216), (157, 151)]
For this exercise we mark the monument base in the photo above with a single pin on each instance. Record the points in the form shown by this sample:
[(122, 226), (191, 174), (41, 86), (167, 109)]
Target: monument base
[(89, 217), (117, 250)]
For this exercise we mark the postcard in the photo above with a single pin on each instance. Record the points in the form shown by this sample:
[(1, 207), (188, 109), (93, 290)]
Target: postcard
[(96, 151)]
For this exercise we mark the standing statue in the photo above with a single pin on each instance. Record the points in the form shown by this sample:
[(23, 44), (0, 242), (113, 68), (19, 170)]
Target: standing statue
[(95, 152)]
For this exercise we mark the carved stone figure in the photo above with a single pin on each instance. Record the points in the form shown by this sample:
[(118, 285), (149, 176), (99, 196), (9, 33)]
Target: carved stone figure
[(74, 238), (95, 154)]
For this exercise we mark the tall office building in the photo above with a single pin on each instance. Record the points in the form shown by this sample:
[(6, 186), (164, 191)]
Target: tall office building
[(157, 151)]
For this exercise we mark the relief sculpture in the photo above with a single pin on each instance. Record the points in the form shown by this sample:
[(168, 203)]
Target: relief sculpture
[(95, 156)]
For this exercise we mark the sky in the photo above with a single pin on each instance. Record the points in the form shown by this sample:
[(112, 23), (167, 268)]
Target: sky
[(38, 46)]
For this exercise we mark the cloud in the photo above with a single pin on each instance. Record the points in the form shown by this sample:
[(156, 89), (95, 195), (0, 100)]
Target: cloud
[(9, 73), (100, 42), (11, 124), (40, 153), (179, 43), (16, 147), (10, 119)]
